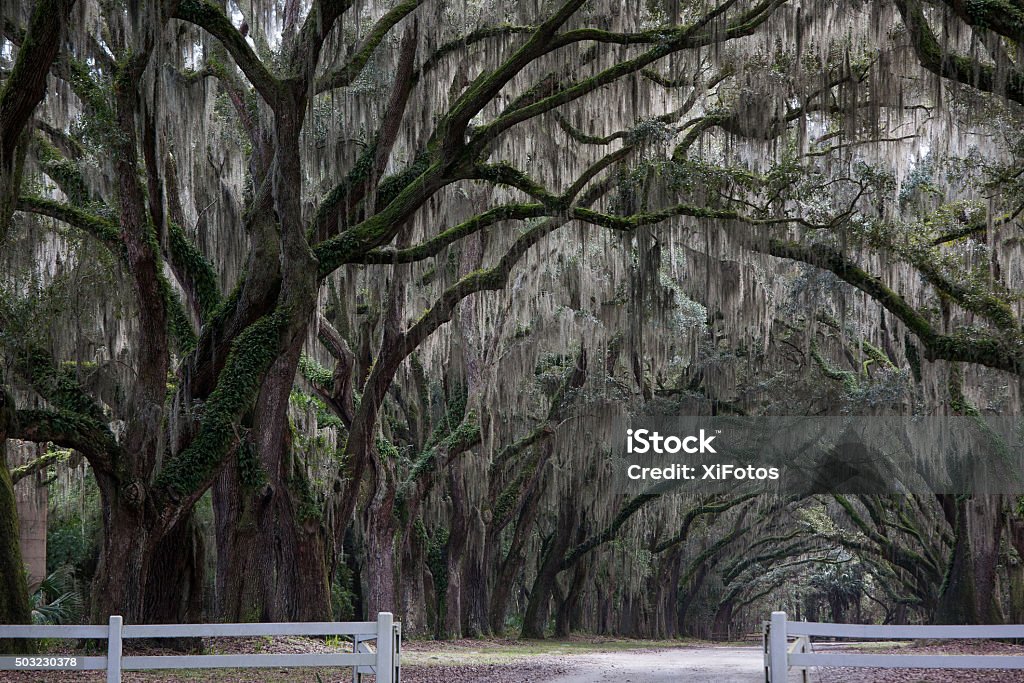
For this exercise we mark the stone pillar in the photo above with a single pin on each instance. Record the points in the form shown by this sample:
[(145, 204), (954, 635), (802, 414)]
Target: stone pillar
[(32, 500)]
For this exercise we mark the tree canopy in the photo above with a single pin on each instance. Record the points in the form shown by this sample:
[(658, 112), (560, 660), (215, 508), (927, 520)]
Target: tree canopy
[(353, 292)]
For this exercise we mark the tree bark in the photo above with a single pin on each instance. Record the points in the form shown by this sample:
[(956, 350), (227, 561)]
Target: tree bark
[(174, 587), (125, 556), (272, 548), (380, 570), (32, 499), (568, 607)]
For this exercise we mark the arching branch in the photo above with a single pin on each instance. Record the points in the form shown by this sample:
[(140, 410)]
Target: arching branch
[(970, 346), (211, 18)]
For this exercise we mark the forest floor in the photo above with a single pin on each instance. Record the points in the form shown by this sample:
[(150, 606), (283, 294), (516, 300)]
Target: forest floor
[(578, 660)]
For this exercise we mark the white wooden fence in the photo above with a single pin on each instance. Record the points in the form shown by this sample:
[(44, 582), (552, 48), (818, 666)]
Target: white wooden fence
[(384, 663), (780, 656)]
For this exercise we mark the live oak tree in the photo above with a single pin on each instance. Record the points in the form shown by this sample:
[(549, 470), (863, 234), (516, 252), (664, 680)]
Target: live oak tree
[(339, 184)]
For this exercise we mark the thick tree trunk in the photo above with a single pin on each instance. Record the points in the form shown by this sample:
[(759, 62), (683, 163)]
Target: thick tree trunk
[(457, 540), (510, 568), (968, 593), (568, 606), (476, 592), (688, 595), (670, 596), (1015, 571), (125, 558), (271, 563), (176, 581), (310, 594), (536, 616), (414, 597), (271, 547), (721, 630), (174, 589), (14, 605), (244, 568), (380, 571)]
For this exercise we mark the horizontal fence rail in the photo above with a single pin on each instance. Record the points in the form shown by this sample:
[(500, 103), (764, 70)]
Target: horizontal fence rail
[(385, 663), (780, 656)]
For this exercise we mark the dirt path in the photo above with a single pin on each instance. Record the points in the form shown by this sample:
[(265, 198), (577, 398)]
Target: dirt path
[(678, 665)]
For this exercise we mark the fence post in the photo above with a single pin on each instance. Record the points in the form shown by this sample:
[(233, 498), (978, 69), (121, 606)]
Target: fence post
[(114, 650), (385, 648), (356, 676), (779, 661), (398, 654)]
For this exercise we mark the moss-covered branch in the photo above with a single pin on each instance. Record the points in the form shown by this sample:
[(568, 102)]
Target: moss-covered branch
[(105, 230), (691, 516), (504, 173), (433, 246), (632, 506), (345, 74), (967, 345), (380, 228), (25, 85), (61, 170), (251, 356), (211, 18), (37, 465), (67, 429), (955, 67), (665, 43), (909, 560), (471, 38)]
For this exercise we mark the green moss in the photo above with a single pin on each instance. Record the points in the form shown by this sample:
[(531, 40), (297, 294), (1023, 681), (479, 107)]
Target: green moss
[(251, 472), (958, 402), (437, 562), (504, 173), (324, 417), (876, 355), (237, 387), (314, 372), (57, 385), (104, 230), (196, 267), (62, 171), (848, 379), (507, 501), (178, 323), (337, 198), (309, 508), (391, 186), (387, 450)]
